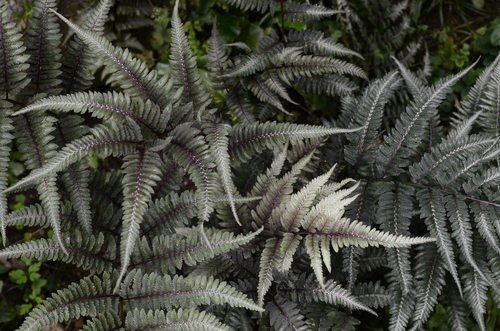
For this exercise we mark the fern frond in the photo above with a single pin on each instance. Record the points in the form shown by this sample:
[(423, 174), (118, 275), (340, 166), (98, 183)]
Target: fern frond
[(76, 181), (216, 134), (413, 83), (303, 12), (185, 320), (270, 258), (393, 153), (430, 272), (333, 294), (484, 216), (217, 60), (133, 75), (456, 309), (104, 322), (237, 102), (401, 310), (88, 298), (490, 102), (462, 229), (156, 292), (487, 178), (171, 174), (277, 192), (247, 140), (13, 64), (475, 288), (272, 81), (330, 85), (258, 60), (49, 198), (432, 209), (259, 5), (284, 315), (189, 149), (463, 127), (5, 139), (103, 141), (85, 251), (264, 93), (440, 157), (345, 233), (169, 253), (295, 65), (372, 294), (184, 68), (37, 146), (394, 210), (298, 206), (371, 109), (475, 97), (76, 177), (112, 105), (141, 174), (314, 42), (79, 61), (331, 206), (169, 213), (42, 46)]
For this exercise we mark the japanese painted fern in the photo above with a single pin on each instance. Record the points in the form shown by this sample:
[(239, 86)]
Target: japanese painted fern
[(266, 227)]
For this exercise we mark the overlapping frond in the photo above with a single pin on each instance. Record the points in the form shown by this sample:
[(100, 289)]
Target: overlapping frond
[(307, 12), (394, 153), (184, 68), (363, 146), (78, 59), (269, 46), (218, 61), (169, 253), (103, 141), (88, 252), (259, 5), (141, 174), (314, 42), (108, 106), (216, 134), (182, 319), (92, 296), (330, 85), (247, 140), (394, 210), (12, 61), (156, 292), (433, 211), (5, 139), (132, 74), (190, 150), (430, 272), (372, 294), (42, 46), (293, 65), (284, 315)]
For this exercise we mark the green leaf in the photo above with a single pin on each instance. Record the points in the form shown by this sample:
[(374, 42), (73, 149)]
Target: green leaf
[(18, 276)]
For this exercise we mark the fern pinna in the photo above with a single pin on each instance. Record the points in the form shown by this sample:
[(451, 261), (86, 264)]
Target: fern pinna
[(267, 229)]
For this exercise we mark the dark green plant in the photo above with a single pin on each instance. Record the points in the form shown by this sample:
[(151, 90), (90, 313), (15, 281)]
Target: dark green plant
[(264, 215)]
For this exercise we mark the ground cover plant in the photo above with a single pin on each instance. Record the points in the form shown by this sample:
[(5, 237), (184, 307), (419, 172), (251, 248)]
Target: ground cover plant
[(218, 217)]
